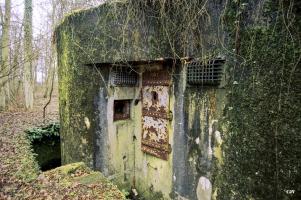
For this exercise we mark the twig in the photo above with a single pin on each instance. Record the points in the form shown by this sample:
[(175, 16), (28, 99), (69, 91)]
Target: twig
[(50, 95)]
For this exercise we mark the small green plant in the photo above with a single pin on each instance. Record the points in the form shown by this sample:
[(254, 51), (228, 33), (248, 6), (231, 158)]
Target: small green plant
[(36, 134)]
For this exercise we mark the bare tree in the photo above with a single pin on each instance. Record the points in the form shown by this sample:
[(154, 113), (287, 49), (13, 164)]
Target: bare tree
[(17, 71), (15, 76), (5, 41), (51, 56), (28, 66)]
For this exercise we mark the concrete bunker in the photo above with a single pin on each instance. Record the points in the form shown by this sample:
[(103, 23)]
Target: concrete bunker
[(144, 118)]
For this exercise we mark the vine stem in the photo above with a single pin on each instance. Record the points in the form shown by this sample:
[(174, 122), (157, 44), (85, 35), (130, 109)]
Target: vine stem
[(50, 95)]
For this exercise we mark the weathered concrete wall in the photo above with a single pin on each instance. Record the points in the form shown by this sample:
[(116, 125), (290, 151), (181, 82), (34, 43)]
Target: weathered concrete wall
[(263, 113), (203, 111), (77, 89), (100, 144), (197, 139), (105, 35)]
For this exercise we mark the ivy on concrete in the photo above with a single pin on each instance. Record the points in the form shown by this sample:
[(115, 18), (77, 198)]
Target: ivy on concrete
[(262, 139)]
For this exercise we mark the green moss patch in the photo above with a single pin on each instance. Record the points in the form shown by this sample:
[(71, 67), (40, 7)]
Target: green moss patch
[(82, 181)]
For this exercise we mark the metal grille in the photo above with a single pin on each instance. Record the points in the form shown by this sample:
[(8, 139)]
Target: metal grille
[(124, 77), (210, 73)]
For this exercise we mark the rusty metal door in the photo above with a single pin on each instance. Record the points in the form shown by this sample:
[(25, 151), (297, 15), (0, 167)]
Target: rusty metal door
[(155, 113)]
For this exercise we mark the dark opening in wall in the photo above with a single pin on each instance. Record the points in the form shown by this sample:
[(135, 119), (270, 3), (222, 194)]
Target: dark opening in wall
[(155, 97), (121, 109), (45, 142)]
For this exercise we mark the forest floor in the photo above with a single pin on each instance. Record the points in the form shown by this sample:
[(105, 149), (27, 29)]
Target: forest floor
[(20, 177)]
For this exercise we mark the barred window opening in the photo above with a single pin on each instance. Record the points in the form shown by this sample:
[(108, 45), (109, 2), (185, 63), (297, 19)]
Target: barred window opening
[(209, 73)]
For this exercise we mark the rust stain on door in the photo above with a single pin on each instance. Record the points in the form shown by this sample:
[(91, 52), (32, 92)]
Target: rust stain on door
[(155, 113)]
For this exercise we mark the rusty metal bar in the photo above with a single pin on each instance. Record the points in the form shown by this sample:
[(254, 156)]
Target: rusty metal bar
[(155, 152)]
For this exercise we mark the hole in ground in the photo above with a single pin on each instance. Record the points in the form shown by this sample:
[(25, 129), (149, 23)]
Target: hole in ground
[(51, 164), (45, 142)]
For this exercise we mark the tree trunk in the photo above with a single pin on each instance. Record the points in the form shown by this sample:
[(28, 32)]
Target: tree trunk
[(51, 55), (28, 68), (4, 70), (15, 70)]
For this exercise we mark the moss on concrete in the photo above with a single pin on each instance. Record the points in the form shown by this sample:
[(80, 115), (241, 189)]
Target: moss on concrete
[(263, 114), (262, 82), (93, 178), (78, 174), (69, 169)]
